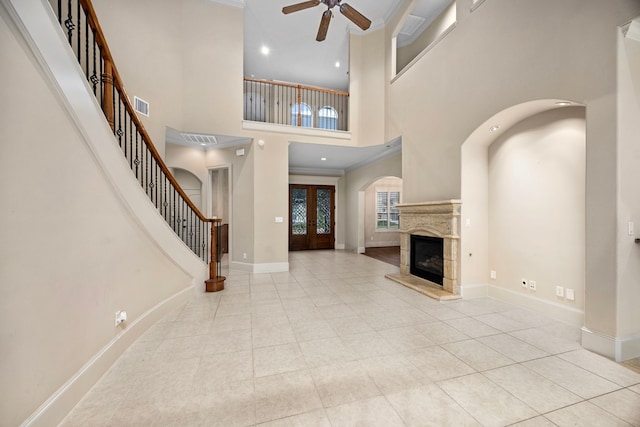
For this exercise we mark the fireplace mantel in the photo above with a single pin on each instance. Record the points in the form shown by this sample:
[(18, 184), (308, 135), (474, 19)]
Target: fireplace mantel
[(435, 219)]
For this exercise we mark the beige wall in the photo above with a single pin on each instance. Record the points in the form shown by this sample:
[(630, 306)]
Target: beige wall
[(71, 252), (536, 198), (629, 200), (408, 53)]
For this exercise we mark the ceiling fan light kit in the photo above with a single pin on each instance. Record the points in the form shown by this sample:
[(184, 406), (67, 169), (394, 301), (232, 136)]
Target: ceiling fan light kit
[(349, 12)]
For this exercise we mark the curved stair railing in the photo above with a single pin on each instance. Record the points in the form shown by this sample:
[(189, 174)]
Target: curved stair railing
[(79, 23)]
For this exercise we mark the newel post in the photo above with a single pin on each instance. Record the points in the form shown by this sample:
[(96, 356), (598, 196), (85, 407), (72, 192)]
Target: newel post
[(216, 281)]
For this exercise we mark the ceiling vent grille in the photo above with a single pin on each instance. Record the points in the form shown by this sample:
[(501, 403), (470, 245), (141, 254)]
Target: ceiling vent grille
[(141, 106), (200, 139), (411, 25)]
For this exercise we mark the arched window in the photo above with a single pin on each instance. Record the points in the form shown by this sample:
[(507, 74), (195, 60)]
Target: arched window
[(328, 118), (306, 117)]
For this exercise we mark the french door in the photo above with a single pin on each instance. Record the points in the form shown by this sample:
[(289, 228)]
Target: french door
[(311, 213)]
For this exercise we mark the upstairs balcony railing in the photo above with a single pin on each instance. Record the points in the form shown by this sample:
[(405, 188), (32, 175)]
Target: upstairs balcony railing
[(295, 105), (84, 34)]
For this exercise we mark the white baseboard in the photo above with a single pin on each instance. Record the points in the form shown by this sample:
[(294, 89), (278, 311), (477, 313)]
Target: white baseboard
[(340, 246), (274, 267), (569, 315), (360, 249), (54, 409), (619, 349)]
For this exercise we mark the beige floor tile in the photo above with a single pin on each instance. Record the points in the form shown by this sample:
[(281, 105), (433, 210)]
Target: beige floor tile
[(350, 325), (312, 330), (224, 368), (230, 405), (179, 348), (512, 347), (405, 338), (394, 372), (501, 323), (440, 332), (585, 414), (231, 323), (342, 383), (278, 359), (272, 335), (488, 403), (369, 344), (383, 320), (472, 327), (438, 364), (540, 421), (477, 355), (602, 366), (624, 404), (283, 395), (538, 392), (374, 412), (439, 312), (471, 307), (266, 320), (315, 418), (326, 351), (335, 311), (227, 342), (545, 341), (575, 379), (429, 406)]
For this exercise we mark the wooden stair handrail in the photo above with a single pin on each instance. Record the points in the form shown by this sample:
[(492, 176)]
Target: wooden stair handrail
[(117, 82)]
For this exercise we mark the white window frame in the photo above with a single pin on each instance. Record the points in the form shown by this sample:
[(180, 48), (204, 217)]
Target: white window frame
[(388, 209)]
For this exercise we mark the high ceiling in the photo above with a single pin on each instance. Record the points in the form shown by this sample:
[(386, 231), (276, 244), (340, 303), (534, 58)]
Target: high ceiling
[(295, 56)]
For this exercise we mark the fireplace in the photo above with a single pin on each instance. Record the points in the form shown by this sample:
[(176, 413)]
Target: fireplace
[(428, 267), (427, 258)]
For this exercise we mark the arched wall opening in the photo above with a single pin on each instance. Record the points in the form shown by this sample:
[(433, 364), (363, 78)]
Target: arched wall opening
[(381, 227), (191, 185), (362, 211), (523, 208)]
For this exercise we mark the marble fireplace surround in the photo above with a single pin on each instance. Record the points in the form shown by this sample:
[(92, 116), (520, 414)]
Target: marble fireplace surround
[(434, 219)]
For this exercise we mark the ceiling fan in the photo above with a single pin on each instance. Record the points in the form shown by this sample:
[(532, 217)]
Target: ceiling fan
[(353, 15)]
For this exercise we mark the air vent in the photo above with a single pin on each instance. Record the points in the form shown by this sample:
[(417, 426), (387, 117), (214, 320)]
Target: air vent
[(141, 106), (200, 139), (411, 25)]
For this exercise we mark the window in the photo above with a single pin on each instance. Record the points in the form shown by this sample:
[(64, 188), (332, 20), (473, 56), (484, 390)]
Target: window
[(328, 118), (306, 118), (387, 215)]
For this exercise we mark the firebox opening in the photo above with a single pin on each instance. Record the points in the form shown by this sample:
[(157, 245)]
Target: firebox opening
[(427, 258)]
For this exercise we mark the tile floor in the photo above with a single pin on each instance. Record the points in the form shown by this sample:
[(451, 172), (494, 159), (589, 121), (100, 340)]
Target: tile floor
[(333, 343)]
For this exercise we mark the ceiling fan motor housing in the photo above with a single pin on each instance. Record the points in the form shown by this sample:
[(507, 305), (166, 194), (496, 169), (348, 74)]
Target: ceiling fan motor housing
[(331, 3)]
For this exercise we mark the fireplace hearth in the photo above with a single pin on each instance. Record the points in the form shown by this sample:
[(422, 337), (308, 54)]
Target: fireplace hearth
[(429, 241)]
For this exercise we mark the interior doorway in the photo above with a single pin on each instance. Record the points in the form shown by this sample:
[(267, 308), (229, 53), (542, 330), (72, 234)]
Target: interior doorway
[(311, 213)]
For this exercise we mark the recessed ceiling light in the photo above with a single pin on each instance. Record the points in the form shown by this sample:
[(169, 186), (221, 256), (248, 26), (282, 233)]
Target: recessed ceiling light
[(563, 103), (323, 158), (264, 50), (494, 128), (337, 64)]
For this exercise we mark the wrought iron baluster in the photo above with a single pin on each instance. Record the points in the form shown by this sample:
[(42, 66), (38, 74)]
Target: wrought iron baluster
[(68, 23)]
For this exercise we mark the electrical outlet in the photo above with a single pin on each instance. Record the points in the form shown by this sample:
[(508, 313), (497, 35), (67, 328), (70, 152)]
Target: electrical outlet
[(631, 231), (244, 255), (560, 291), (532, 285), (524, 282), (121, 317), (493, 274), (569, 294)]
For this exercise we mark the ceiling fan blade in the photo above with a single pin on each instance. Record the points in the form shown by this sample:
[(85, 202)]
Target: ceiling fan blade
[(354, 16), (300, 6), (324, 25)]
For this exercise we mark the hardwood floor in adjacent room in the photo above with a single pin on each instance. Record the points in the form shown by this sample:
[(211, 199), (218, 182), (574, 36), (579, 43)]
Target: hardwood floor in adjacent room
[(388, 254)]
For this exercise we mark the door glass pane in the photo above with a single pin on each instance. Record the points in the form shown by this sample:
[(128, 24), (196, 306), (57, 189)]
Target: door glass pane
[(323, 213), (299, 211)]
